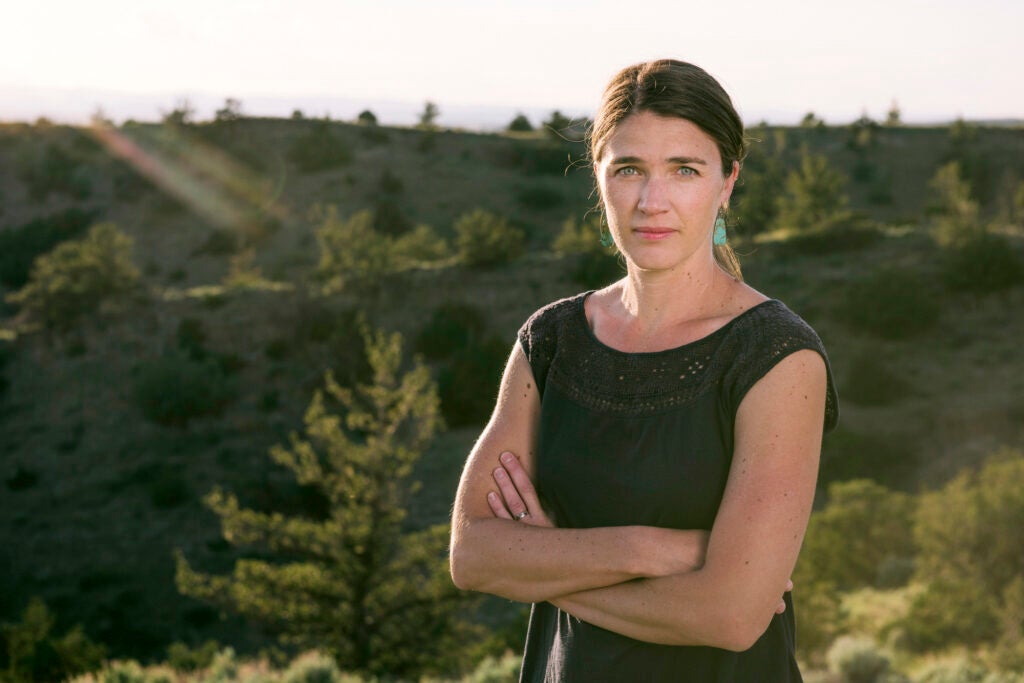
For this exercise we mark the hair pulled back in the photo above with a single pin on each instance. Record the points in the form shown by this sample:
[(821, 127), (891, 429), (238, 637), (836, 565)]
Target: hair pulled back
[(669, 87)]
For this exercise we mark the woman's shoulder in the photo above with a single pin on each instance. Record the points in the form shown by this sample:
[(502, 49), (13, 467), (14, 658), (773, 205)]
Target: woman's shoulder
[(761, 337), (552, 315)]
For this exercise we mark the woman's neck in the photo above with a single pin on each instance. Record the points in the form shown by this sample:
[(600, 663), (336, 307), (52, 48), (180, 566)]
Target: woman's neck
[(654, 298)]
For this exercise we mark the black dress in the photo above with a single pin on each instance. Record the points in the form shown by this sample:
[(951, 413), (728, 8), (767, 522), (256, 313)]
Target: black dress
[(647, 439)]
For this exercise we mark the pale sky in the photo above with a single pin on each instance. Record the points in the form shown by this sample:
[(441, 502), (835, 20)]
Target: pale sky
[(939, 59)]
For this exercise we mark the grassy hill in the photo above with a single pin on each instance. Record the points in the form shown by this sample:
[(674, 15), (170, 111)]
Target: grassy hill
[(97, 496)]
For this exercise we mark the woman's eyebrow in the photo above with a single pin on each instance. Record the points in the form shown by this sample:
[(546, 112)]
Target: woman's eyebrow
[(617, 161), (687, 160)]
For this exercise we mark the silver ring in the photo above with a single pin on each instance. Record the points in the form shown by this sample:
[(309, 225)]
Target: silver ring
[(522, 514)]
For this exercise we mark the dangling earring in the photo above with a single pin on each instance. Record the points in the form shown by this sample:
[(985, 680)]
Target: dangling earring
[(719, 236), (606, 236)]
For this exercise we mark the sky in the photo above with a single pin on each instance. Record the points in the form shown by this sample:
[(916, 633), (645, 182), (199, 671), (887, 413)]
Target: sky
[(482, 61)]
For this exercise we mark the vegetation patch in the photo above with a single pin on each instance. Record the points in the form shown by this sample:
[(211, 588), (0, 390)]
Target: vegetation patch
[(173, 389), (891, 303)]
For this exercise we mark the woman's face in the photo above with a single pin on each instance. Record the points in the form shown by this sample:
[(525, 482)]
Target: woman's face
[(661, 183)]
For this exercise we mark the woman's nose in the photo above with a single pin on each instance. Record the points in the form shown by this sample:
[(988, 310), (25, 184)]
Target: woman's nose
[(652, 197)]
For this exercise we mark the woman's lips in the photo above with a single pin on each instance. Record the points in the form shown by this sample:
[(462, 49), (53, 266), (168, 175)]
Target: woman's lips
[(653, 233)]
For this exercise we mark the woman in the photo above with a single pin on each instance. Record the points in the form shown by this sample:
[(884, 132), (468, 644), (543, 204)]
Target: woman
[(672, 423)]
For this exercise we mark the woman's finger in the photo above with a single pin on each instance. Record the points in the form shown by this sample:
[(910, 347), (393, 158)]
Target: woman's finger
[(497, 507), (521, 479), (513, 501)]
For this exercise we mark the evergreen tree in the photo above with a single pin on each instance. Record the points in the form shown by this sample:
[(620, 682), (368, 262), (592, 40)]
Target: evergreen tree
[(814, 196), (958, 217), (428, 117), (520, 124), (556, 124), (357, 584)]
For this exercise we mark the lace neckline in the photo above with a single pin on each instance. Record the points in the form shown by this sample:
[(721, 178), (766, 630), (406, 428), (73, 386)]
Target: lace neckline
[(580, 314)]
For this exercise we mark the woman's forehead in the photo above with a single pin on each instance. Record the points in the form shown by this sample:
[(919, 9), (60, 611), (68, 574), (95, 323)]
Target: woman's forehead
[(652, 136)]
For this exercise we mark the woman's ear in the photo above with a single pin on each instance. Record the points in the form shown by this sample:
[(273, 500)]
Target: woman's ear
[(730, 183)]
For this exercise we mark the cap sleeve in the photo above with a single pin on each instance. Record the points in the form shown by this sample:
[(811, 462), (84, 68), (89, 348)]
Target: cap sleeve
[(764, 342), (539, 336)]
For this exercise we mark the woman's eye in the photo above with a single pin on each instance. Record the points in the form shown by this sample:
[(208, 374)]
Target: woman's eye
[(626, 170)]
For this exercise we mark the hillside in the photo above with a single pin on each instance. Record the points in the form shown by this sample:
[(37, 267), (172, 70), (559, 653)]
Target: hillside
[(98, 496)]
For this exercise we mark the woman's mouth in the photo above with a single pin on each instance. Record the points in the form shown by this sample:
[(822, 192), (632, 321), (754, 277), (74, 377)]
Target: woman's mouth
[(648, 233)]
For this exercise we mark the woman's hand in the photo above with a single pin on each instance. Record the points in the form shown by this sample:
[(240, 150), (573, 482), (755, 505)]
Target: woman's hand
[(782, 601), (517, 498)]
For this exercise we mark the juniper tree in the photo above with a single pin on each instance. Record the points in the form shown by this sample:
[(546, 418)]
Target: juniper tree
[(80, 277), (814, 195), (358, 583)]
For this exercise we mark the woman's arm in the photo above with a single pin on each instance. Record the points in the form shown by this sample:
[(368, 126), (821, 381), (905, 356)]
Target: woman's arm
[(533, 562), (757, 534)]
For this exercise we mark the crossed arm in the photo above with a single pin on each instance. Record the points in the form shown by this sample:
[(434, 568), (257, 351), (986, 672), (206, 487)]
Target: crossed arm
[(652, 584)]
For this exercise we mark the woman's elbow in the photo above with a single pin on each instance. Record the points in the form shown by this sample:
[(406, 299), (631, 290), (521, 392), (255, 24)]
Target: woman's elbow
[(465, 575), (738, 629)]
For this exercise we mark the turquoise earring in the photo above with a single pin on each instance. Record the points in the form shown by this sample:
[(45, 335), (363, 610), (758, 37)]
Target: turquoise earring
[(719, 236), (606, 237)]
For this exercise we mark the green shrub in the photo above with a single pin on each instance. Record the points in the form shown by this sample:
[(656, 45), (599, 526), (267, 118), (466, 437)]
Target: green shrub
[(981, 264), (579, 236), (595, 269), (318, 150), (890, 303), (452, 327), (484, 239), (22, 479), (389, 183), (531, 159), (388, 217), (861, 527), (312, 667), (183, 658), (857, 660), (34, 653), (20, 246), (173, 389), (884, 458), (869, 381), (496, 670), (168, 488), (352, 253), (593, 265), (123, 672), (950, 613), (6, 354), (78, 277), (844, 235), (420, 245), (191, 338), (220, 242), (970, 567), (957, 671), (53, 171), (277, 349), (468, 385), (540, 197)]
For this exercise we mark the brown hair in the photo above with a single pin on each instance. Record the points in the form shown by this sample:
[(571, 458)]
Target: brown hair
[(669, 87)]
